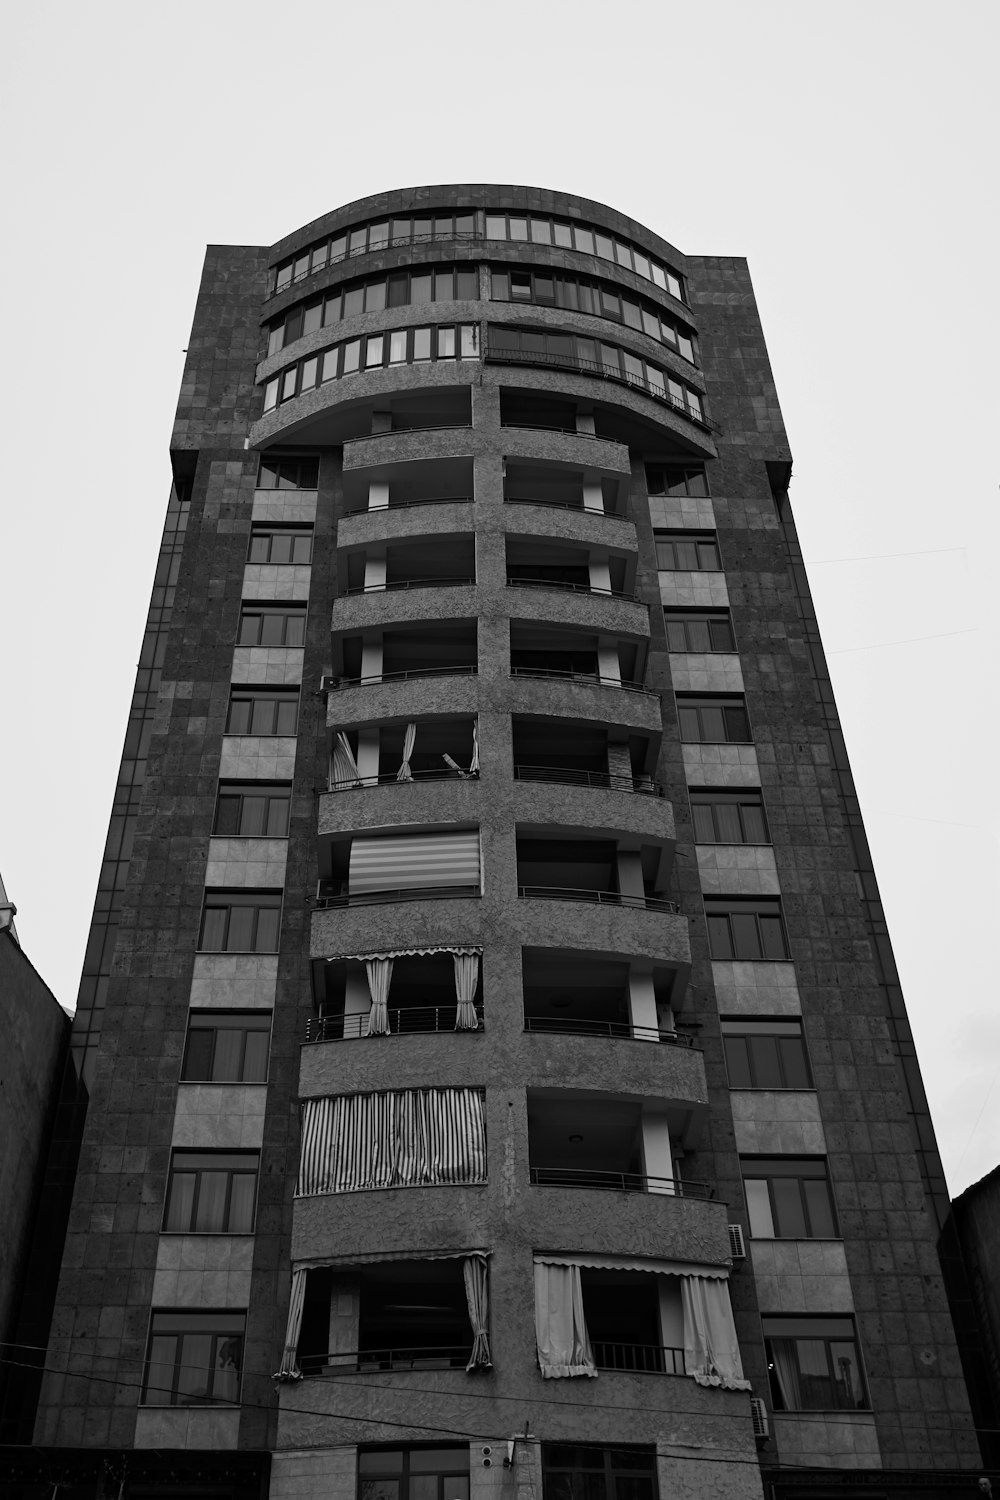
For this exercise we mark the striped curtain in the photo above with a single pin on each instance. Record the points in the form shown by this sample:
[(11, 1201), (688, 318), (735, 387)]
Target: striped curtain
[(413, 1136), (414, 861), (466, 981), (409, 740), (379, 971), (289, 1367), (344, 768), (476, 1280)]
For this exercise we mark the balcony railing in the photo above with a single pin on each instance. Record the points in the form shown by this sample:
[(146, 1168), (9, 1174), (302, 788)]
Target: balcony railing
[(374, 510), (572, 588), (430, 1357), (623, 1030), (325, 902), (601, 898), (619, 1182), (558, 674), (576, 505), (640, 1359), (391, 778), (334, 683), (408, 583), (505, 356), (608, 781), (403, 1021)]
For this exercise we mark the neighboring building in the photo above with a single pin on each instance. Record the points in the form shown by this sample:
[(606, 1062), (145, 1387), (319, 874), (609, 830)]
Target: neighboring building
[(972, 1270), (501, 996), (34, 1030)]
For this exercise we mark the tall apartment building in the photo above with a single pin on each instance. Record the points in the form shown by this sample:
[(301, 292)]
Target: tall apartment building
[(498, 1080)]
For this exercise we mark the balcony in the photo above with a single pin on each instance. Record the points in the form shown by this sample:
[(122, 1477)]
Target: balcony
[(421, 997), (569, 652), (408, 1021), (402, 672), (599, 898), (581, 994), (599, 1142), (599, 871), (619, 1182)]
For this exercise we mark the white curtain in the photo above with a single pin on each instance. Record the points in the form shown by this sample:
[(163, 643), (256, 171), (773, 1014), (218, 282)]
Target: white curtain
[(474, 762), (289, 1367), (466, 982), (476, 1279), (409, 740), (711, 1350), (344, 770), (379, 971), (560, 1327), (786, 1369), (412, 1136)]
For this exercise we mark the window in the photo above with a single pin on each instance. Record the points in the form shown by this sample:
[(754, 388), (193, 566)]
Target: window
[(194, 1359), (713, 721), (227, 1046), (589, 241), (272, 625), (256, 810), (729, 818), (413, 1473), (573, 1471), (763, 1054), (264, 711), (240, 922), (687, 552), (788, 1198), (281, 544), (396, 346), (211, 1192), (745, 930), (673, 479), (599, 298), (288, 474), (814, 1364), (369, 238), (699, 630)]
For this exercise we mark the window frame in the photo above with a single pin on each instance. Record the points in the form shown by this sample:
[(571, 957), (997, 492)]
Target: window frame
[(272, 791), (708, 617), (830, 1335), (670, 540), (610, 1470), (343, 358), (210, 1161), (277, 696), (202, 1324), (735, 730), (787, 1028), (719, 908), (257, 901), (600, 297), (708, 798), (292, 614), (297, 463), (688, 471), (796, 1169), (405, 1472), (263, 1020), (263, 531)]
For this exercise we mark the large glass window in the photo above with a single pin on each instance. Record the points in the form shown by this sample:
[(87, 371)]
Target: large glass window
[(729, 818), (687, 551), (745, 930), (713, 721), (814, 1364), (676, 479), (577, 1471), (765, 1054), (788, 1198), (256, 810), (414, 1473), (194, 1359), (263, 711), (240, 922), (707, 630), (281, 544), (288, 474), (272, 625), (579, 294), (211, 1192), (396, 346), (226, 1046)]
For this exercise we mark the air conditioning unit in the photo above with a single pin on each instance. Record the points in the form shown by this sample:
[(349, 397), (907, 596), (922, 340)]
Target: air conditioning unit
[(737, 1244), (758, 1412)]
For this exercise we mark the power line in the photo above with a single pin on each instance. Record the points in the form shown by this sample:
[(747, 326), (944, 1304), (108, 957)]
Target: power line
[(906, 641), (880, 556)]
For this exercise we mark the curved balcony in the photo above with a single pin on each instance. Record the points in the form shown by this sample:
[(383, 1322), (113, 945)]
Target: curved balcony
[(581, 449), (417, 599), (422, 692), (549, 918), (571, 604), (383, 802), (416, 920), (408, 444), (416, 518), (607, 1219), (387, 1219), (325, 410), (605, 805), (607, 1059), (361, 1065), (362, 325), (556, 520), (574, 696), (652, 412)]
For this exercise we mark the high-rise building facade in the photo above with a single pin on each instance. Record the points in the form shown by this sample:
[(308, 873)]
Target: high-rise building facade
[(497, 1075)]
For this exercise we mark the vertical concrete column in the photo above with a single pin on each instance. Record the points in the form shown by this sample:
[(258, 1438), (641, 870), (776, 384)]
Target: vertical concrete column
[(357, 1005), (630, 881), (368, 751), (378, 495), (585, 423), (608, 661), (375, 569), (600, 574), (593, 495), (657, 1158), (381, 422), (619, 763), (642, 1006), (345, 1308), (371, 656)]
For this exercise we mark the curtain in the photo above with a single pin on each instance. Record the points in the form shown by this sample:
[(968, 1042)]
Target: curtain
[(344, 770), (379, 971), (476, 1279), (474, 762), (466, 981), (414, 861), (786, 1371), (289, 1367), (358, 1141), (711, 1352), (409, 740), (560, 1326)]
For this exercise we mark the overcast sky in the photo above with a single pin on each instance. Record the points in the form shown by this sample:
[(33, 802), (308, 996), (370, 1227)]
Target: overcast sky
[(847, 150)]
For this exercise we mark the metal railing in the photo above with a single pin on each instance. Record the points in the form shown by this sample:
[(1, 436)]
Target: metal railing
[(591, 367), (376, 510), (574, 505), (415, 1357), (574, 588), (366, 437), (619, 1182), (600, 898), (391, 778), (608, 781), (404, 1020), (334, 684), (623, 1030), (407, 583), (594, 679), (594, 437), (639, 1359), (321, 902)]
